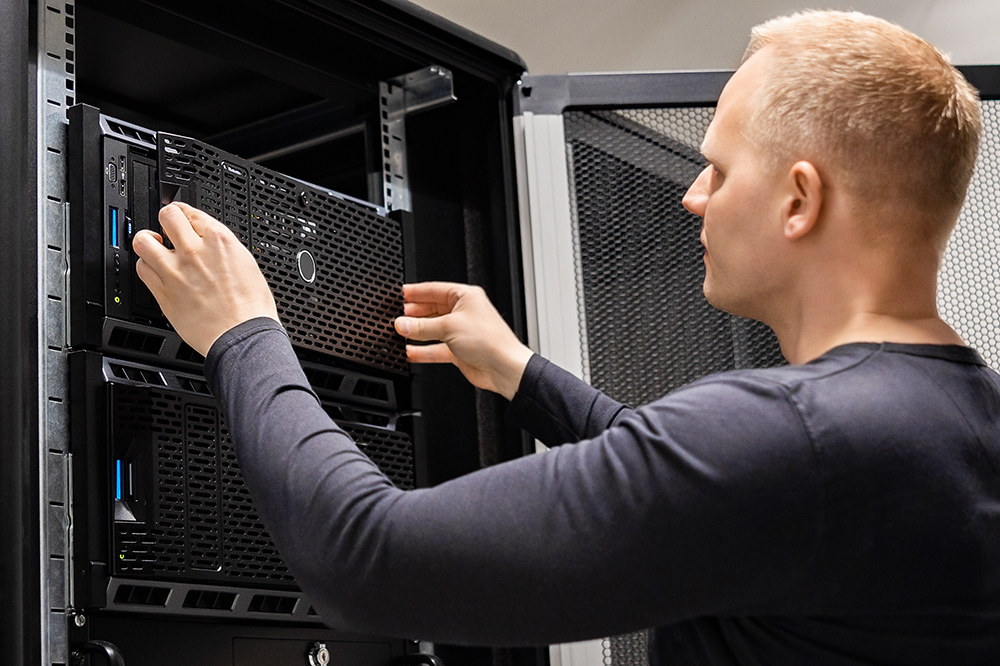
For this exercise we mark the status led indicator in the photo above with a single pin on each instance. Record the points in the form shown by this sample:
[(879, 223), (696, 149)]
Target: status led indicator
[(118, 485)]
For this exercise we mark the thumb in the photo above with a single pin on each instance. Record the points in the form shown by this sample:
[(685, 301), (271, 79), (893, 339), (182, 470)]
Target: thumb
[(415, 328)]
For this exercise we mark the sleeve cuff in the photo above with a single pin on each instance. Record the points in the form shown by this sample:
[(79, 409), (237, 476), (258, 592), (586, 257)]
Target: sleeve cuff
[(234, 336)]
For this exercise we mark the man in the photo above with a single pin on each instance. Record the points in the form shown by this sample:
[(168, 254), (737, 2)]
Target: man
[(842, 510)]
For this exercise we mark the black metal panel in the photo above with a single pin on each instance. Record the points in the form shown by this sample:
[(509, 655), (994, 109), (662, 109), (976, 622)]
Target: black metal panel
[(552, 94), (19, 492), (986, 78), (158, 642)]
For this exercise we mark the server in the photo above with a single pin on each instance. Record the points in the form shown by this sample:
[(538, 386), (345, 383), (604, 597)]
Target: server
[(334, 263)]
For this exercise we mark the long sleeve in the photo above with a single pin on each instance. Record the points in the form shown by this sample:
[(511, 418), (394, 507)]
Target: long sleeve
[(600, 538), (559, 408)]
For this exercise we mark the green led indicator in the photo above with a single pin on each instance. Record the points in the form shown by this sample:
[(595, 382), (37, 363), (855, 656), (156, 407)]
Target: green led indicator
[(118, 299), (122, 556)]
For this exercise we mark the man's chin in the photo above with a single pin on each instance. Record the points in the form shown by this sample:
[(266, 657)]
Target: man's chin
[(718, 300)]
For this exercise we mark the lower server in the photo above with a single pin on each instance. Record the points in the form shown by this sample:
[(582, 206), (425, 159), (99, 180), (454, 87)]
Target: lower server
[(163, 521)]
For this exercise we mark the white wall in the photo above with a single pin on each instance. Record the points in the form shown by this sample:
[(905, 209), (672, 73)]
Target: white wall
[(558, 36)]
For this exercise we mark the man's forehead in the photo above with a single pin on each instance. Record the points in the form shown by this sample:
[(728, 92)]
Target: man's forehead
[(736, 96)]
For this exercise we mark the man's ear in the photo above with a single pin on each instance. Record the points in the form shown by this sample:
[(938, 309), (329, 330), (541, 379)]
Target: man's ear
[(804, 200)]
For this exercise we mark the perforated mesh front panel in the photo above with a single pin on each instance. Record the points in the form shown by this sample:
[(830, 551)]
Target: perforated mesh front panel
[(346, 308), (201, 522), (969, 282)]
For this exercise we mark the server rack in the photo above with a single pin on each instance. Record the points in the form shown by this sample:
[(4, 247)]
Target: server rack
[(380, 103)]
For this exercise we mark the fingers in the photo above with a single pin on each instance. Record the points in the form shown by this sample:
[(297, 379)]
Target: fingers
[(424, 309), (202, 223), (421, 329), (438, 353), (442, 293), (177, 226), (149, 246), (150, 277)]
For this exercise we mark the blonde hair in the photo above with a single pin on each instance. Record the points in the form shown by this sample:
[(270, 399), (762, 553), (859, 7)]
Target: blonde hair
[(885, 108)]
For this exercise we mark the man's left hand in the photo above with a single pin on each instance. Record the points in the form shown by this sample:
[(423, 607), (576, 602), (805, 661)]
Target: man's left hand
[(208, 283)]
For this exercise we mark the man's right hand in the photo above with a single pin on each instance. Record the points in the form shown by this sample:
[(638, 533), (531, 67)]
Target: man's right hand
[(470, 333)]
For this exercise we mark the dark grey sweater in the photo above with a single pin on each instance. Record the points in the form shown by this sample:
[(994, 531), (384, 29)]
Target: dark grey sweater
[(846, 511)]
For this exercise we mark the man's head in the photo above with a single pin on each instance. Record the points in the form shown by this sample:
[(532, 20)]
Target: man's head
[(832, 115), (882, 109)]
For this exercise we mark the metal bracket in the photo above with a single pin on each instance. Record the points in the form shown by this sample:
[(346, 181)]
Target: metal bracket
[(409, 94)]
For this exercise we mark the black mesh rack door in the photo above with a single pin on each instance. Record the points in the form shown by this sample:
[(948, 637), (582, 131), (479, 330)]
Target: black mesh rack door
[(181, 509), (335, 265)]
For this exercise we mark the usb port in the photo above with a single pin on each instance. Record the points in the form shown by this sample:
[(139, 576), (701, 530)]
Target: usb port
[(123, 480), (114, 224), (118, 479)]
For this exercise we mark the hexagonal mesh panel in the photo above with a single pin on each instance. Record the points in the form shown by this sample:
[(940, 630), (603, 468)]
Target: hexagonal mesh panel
[(201, 523), (335, 266), (969, 282)]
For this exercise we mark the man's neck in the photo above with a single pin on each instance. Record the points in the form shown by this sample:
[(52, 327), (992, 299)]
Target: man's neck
[(886, 296), (867, 327)]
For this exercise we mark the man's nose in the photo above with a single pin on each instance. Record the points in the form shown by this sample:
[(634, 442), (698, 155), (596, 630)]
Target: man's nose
[(697, 195)]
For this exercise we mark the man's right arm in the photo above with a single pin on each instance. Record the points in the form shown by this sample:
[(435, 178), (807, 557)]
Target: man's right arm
[(560, 408), (548, 402)]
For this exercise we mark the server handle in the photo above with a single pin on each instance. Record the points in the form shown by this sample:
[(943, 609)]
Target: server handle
[(110, 652)]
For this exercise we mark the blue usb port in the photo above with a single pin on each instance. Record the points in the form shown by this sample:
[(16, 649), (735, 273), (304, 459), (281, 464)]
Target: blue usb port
[(113, 223), (118, 483)]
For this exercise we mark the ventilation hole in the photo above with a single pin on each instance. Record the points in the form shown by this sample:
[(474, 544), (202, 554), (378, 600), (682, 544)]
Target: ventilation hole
[(210, 599), (142, 595), (136, 341), (369, 389), (269, 603), (320, 379), (195, 385), (153, 377)]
